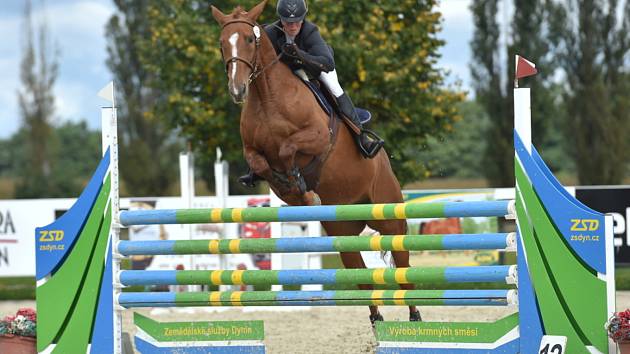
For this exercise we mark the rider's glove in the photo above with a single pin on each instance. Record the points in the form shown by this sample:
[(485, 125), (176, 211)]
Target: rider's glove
[(290, 50)]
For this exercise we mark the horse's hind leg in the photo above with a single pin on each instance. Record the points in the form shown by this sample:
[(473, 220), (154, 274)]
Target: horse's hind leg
[(352, 260), (401, 258), (387, 190)]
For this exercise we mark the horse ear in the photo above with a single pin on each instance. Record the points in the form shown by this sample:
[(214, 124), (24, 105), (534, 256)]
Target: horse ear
[(218, 15), (256, 11)]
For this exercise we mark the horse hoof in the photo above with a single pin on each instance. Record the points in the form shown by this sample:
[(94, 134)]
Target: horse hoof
[(249, 180), (374, 318), (311, 198), (415, 316)]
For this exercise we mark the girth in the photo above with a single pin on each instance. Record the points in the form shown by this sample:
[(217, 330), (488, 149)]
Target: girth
[(313, 169)]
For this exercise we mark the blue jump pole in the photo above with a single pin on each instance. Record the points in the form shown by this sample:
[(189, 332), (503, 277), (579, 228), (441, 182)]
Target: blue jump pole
[(416, 275)]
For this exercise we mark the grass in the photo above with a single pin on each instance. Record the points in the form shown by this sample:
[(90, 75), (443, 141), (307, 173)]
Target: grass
[(18, 288), (448, 183), (622, 278)]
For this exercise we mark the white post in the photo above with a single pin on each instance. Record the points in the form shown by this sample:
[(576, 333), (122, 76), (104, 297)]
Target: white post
[(522, 101), (187, 187), (610, 273), (109, 135), (523, 116), (221, 185), (276, 231)]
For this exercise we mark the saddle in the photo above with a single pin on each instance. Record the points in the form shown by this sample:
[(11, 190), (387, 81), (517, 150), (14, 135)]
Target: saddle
[(327, 102)]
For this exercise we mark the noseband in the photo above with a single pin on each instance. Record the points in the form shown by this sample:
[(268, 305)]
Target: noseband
[(253, 65)]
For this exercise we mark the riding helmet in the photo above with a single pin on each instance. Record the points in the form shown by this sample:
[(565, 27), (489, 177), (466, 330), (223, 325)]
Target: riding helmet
[(292, 10)]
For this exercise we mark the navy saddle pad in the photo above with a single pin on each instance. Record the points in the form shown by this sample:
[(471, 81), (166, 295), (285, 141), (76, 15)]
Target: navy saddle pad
[(364, 114)]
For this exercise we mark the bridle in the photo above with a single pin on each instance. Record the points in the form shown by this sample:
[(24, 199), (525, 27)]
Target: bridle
[(253, 65)]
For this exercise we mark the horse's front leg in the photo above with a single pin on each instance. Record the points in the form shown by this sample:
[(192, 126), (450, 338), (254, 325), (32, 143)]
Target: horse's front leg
[(306, 142), (258, 163), (260, 166)]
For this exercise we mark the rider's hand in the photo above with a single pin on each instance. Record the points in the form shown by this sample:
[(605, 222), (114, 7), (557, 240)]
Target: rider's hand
[(290, 50)]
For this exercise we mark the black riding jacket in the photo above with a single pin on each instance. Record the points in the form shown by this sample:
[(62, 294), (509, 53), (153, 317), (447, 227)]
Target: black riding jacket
[(314, 55)]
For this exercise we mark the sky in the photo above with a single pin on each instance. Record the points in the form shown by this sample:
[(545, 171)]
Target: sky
[(77, 29)]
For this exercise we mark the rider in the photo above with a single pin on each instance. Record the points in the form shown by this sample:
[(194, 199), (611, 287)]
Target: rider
[(302, 47)]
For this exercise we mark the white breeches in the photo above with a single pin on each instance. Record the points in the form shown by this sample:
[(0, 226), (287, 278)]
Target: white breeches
[(332, 82)]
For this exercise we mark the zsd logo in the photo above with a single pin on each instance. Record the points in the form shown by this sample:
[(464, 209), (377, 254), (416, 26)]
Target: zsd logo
[(50, 235), (584, 225)]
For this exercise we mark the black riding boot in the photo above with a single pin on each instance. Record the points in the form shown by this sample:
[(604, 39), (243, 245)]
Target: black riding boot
[(250, 179), (369, 143)]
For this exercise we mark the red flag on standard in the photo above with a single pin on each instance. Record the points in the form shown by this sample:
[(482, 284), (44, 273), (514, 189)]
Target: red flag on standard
[(524, 68)]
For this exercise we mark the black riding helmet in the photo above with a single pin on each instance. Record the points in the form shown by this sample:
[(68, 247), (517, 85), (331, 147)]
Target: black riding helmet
[(291, 10)]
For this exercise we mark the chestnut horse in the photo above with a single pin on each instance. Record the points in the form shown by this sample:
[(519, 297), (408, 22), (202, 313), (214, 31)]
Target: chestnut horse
[(283, 128)]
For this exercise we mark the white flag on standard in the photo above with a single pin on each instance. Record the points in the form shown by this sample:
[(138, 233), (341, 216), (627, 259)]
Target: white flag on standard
[(107, 92)]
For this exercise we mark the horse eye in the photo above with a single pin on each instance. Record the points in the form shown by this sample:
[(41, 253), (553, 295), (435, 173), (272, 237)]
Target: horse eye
[(249, 39)]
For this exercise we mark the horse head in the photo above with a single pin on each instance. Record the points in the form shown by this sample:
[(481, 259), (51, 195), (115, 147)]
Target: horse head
[(240, 43)]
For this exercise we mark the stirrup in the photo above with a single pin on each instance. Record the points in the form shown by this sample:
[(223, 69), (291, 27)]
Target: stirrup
[(376, 143)]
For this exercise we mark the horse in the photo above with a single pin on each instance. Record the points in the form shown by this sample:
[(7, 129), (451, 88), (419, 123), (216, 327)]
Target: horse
[(283, 129)]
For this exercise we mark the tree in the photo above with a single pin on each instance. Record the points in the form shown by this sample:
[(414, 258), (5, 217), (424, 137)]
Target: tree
[(493, 81), (76, 151), (592, 48), (148, 145), (488, 77), (457, 155), (73, 150), (530, 38), (389, 69), (36, 101)]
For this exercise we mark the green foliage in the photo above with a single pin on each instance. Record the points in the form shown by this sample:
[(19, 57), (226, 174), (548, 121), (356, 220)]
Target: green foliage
[(586, 114), (77, 152), (592, 41), (493, 81), (7, 153), (486, 72), (74, 152), (183, 54), (390, 70), (457, 154), (148, 146), (41, 160), (38, 73), (547, 114), (385, 54)]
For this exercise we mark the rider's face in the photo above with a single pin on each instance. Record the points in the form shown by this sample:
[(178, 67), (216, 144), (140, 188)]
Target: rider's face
[(292, 28)]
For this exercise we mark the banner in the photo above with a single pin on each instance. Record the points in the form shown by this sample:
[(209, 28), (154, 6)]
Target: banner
[(614, 200), (18, 220)]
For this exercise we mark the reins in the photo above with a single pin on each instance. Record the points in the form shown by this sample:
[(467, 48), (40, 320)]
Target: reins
[(253, 65)]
